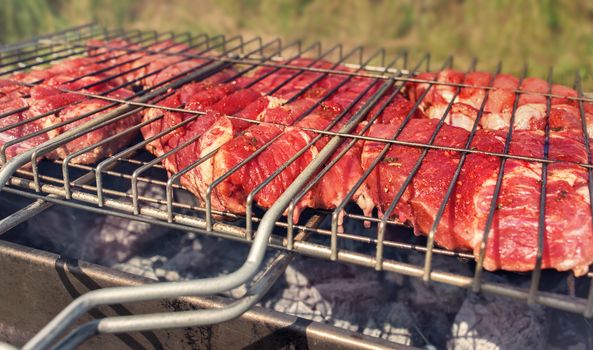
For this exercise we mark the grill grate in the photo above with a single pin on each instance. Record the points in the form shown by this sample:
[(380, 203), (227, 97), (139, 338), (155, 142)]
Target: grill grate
[(91, 186)]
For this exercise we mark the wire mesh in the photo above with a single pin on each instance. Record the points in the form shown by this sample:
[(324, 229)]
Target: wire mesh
[(111, 184)]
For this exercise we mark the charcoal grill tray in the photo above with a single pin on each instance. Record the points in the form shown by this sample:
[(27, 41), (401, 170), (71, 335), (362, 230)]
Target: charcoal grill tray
[(87, 187), (36, 277)]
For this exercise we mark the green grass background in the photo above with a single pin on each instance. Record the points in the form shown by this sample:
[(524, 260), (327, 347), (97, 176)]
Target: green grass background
[(538, 32)]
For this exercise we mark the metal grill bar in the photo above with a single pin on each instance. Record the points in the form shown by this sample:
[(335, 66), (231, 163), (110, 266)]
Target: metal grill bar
[(362, 137), (22, 68), (142, 92), (309, 249), (190, 221), (2, 115), (71, 44), (541, 229), (115, 136), (37, 39), (44, 149), (123, 324), (496, 195), (589, 309), (145, 47), (442, 207), (38, 63), (408, 180), (584, 98), (368, 75), (193, 112)]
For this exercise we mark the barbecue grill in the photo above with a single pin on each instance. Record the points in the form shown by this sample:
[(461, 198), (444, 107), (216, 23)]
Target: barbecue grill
[(317, 234)]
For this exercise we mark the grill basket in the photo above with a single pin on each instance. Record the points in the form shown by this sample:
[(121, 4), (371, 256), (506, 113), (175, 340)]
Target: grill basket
[(110, 187)]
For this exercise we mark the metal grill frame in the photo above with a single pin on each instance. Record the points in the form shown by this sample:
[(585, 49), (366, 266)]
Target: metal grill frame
[(219, 52)]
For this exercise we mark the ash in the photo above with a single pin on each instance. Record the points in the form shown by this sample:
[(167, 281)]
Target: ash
[(400, 309)]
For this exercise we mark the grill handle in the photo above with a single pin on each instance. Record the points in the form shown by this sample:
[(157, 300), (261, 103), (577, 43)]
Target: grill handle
[(51, 332), (122, 324)]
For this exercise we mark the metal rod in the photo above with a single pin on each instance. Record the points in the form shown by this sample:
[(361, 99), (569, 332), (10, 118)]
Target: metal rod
[(406, 79), (541, 225), (34, 54), (453, 182), (78, 336), (66, 162), (377, 76), (586, 141), (495, 195), (120, 324), (23, 215), (408, 180), (86, 114)]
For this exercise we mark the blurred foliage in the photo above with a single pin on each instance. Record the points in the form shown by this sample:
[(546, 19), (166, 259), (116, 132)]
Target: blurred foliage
[(539, 32)]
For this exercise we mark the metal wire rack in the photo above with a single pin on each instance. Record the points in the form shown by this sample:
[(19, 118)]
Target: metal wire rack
[(110, 187)]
